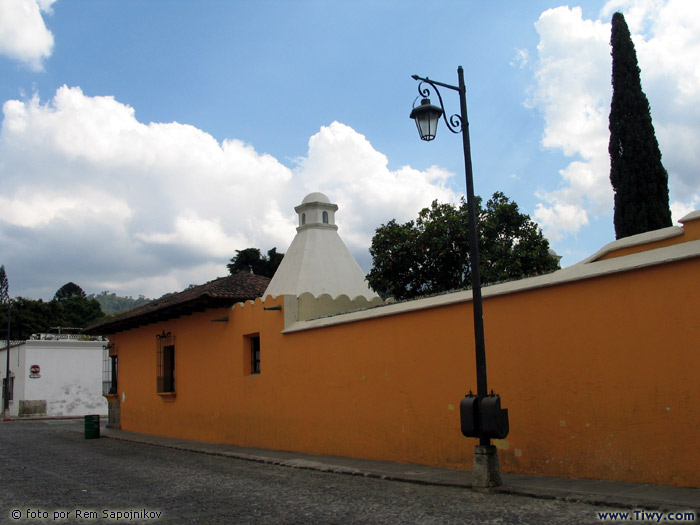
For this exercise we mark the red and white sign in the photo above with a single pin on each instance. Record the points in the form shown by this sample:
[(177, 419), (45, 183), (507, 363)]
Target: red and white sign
[(34, 371)]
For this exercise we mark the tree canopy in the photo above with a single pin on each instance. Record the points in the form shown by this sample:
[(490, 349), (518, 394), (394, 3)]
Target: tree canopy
[(69, 308), (638, 177), (251, 259), (112, 303), (431, 254), (67, 291)]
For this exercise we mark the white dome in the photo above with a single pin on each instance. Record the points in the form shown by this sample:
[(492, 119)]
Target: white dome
[(316, 197)]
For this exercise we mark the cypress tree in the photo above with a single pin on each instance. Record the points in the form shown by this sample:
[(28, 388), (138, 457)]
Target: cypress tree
[(638, 177), (4, 286)]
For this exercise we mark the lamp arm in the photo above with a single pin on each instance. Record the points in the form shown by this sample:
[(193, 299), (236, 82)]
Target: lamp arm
[(435, 83), (454, 124)]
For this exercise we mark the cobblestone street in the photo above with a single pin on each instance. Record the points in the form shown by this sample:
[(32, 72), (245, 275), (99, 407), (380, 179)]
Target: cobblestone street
[(51, 474)]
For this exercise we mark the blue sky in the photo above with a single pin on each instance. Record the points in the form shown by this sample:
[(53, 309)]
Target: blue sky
[(142, 143)]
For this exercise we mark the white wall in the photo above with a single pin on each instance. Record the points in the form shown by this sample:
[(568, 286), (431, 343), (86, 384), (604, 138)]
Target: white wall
[(71, 376)]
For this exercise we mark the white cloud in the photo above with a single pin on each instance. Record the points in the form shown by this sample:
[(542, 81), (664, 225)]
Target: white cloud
[(151, 208), (23, 34), (560, 218), (170, 280), (33, 208), (344, 165), (521, 58), (192, 232), (681, 209), (573, 92)]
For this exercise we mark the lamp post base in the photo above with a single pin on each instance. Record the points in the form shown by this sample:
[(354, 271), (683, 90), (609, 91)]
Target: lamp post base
[(486, 470)]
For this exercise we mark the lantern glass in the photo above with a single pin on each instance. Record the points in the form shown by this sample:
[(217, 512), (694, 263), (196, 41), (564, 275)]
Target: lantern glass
[(426, 116)]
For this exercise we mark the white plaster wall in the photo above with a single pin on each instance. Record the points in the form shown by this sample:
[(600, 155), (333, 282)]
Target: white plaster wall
[(71, 377)]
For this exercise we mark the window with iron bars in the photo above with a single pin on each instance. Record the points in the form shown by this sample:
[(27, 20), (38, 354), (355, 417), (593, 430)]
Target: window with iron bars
[(165, 362), (254, 354), (109, 370)]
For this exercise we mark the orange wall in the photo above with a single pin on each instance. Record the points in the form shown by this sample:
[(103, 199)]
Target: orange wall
[(600, 377)]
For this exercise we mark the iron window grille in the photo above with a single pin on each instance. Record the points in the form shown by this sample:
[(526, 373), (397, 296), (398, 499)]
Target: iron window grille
[(165, 362), (109, 370), (255, 354)]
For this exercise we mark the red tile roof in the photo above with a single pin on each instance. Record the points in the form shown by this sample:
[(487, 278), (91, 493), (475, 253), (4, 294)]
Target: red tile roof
[(222, 292)]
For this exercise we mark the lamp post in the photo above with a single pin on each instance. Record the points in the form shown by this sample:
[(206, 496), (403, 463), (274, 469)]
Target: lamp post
[(481, 415), (5, 298), (6, 394)]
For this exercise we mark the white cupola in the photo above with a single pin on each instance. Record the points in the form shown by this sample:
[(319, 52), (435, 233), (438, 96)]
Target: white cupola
[(316, 211), (318, 261)]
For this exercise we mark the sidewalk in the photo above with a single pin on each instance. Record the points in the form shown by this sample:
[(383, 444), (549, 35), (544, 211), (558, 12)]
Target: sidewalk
[(596, 492)]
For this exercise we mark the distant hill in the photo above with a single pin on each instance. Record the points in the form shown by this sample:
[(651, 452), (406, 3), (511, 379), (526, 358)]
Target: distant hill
[(112, 304)]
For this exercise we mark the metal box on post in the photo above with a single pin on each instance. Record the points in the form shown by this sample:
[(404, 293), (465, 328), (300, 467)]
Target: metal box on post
[(468, 413), (494, 419)]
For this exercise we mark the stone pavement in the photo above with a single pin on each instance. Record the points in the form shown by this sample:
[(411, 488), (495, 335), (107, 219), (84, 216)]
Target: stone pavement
[(596, 492)]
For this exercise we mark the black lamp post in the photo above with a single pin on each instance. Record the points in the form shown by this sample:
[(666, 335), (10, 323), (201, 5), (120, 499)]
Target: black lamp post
[(481, 415), (6, 394)]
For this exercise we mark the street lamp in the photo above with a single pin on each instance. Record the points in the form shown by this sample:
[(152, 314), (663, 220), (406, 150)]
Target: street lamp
[(426, 116), (481, 415)]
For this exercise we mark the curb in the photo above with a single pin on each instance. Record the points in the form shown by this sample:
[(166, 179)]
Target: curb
[(38, 418), (508, 488)]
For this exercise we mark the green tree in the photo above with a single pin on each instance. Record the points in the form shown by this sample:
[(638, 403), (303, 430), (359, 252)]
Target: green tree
[(72, 310), (251, 259), (71, 307), (68, 290), (431, 254), (77, 312), (32, 317), (511, 244), (638, 177), (112, 304)]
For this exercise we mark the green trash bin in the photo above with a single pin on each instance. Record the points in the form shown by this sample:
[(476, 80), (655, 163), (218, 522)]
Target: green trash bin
[(92, 427)]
